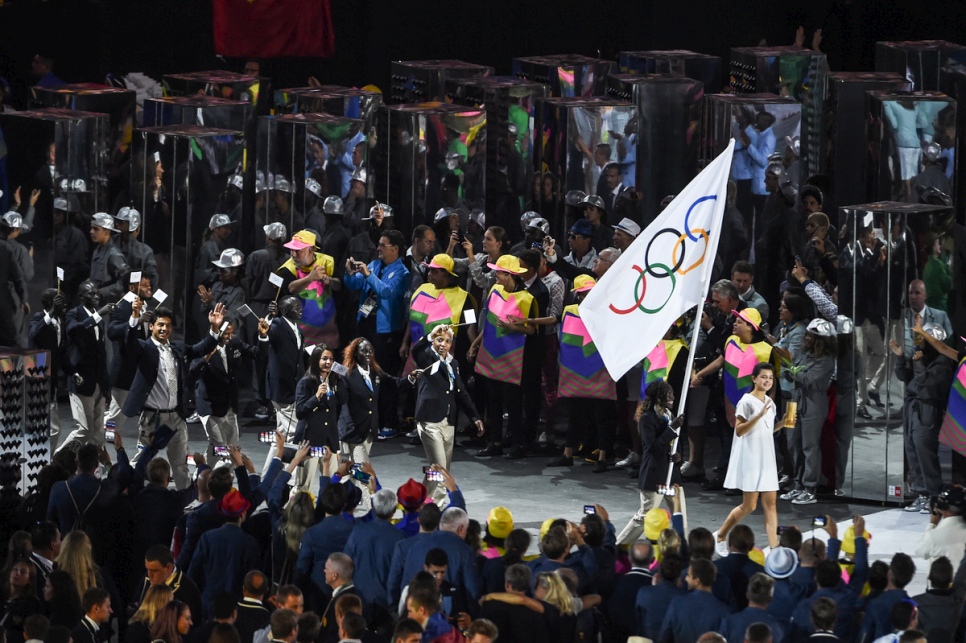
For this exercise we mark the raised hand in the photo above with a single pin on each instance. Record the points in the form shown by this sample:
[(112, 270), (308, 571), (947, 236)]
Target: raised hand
[(216, 317)]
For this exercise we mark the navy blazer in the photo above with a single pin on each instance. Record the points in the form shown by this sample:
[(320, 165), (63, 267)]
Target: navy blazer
[(223, 557), (122, 369), (84, 488), (435, 401), (461, 571), (197, 522), (318, 542), (148, 359), (370, 547), (44, 336), (216, 389), (620, 607), (738, 569), (87, 354), (319, 419), (362, 420), (286, 361)]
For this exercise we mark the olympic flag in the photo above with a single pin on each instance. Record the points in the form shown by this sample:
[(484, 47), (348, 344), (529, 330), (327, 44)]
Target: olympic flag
[(663, 274)]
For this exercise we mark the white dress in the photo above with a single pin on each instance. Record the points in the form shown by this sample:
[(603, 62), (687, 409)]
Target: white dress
[(752, 466)]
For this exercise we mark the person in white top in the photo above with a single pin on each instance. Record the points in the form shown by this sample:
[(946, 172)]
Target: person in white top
[(752, 467), (946, 531)]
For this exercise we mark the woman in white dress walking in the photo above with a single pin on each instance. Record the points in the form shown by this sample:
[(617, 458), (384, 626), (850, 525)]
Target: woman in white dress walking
[(752, 466)]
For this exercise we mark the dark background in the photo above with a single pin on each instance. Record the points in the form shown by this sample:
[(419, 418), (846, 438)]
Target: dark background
[(89, 38)]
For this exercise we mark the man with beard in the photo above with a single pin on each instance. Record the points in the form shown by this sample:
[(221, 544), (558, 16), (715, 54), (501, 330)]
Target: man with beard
[(283, 342)]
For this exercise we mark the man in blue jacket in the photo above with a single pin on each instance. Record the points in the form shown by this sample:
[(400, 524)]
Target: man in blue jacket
[(461, 571), (691, 615), (653, 600), (370, 546), (737, 566), (320, 540), (877, 621), (761, 591), (382, 286), (429, 516)]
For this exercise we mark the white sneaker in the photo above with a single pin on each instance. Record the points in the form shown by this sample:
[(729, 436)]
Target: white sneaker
[(840, 493), (632, 460), (720, 548), (792, 495), (917, 505), (805, 498)]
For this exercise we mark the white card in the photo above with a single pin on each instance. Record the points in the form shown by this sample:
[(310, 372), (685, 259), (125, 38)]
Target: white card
[(224, 325), (469, 316), (276, 280), (160, 296), (309, 348), (60, 274), (130, 296), (245, 310), (136, 277), (340, 369)]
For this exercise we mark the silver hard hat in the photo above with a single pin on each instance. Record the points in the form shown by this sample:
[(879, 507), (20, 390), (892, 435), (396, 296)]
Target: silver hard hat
[(283, 185), (275, 231), (574, 197), (360, 175), (444, 213), (540, 224), (230, 258), (238, 181), (313, 186), (218, 221), (844, 325), (12, 219), (932, 151), (132, 216), (386, 211), (104, 220), (333, 205), (821, 327), (935, 331)]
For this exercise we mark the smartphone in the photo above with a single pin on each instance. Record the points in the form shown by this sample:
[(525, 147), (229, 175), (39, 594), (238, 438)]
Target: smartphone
[(818, 521), (109, 436), (590, 509), (266, 436), (431, 475), (782, 528), (316, 452), (189, 459), (666, 490), (360, 475), (222, 452)]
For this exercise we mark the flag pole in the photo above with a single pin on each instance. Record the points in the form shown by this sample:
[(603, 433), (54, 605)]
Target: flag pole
[(686, 386)]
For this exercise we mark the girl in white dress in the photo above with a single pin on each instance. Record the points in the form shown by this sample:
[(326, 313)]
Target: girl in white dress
[(752, 466)]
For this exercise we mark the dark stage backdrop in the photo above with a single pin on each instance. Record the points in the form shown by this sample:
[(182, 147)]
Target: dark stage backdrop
[(89, 38)]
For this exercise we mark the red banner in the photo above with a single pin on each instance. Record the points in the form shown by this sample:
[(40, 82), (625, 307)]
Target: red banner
[(273, 28)]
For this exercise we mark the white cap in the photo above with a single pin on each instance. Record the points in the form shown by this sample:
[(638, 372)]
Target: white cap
[(218, 221), (12, 219), (628, 226)]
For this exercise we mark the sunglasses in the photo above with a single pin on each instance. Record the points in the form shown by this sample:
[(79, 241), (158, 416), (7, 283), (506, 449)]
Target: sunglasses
[(574, 235)]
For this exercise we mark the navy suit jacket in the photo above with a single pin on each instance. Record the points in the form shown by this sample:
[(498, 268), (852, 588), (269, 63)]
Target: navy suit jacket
[(148, 359), (461, 571), (216, 390), (435, 401), (620, 607), (286, 362), (44, 336), (651, 606), (85, 488), (691, 615), (370, 546), (122, 368), (738, 569), (736, 624), (197, 523), (318, 542), (223, 557), (399, 554), (87, 355)]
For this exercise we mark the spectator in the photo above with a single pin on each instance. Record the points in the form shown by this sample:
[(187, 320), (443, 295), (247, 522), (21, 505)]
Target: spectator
[(251, 615), (760, 593), (941, 606), (407, 630), (285, 626), (482, 631), (620, 607), (737, 566), (160, 569), (323, 539), (35, 628), (339, 571), (153, 602), (19, 592), (515, 622), (225, 554), (516, 544), (653, 600), (61, 600), (370, 546), (876, 622), (823, 615), (743, 276), (461, 570), (758, 633), (903, 616), (422, 606), (95, 626), (691, 615)]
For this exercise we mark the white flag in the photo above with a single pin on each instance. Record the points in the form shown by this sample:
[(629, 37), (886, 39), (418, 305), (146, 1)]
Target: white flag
[(664, 273)]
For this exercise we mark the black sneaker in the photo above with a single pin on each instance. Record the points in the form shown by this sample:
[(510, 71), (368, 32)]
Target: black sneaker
[(600, 467), (490, 451), (516, 453)]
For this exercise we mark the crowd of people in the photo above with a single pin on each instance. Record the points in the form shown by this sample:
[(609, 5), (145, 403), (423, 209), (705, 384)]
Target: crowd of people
[(346, 332)]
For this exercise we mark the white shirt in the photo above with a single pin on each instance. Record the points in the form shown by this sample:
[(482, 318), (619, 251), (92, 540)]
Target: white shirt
[(945, 539), (160, 396), (295, 329), (97, 322), (53, 321)]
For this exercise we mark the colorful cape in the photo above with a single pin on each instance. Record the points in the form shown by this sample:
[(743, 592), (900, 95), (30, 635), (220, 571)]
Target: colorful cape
[(582, 370), (318, 307), (953, 431), (739, 362), (429, 308), (658, 363), (501, 351)]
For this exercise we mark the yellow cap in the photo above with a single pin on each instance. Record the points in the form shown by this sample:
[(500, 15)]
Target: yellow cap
[(583, 283), (443, 262), (655, 521), (507, 263), (302, 239), (757, 555), (499, 522), (848, 540), (545, 527)]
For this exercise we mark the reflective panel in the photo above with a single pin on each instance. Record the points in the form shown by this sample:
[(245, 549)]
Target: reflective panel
[(223, 84), (662, 143), (417, 81), (954, 85), (844, 143), (504, 151), (24, 417), (63, 153), (680, 62), (920, 62), (179, 174), (297, 148), (881, 254), (568, 75), (421, 157), (912, 144), (206, 111), (577, 150)]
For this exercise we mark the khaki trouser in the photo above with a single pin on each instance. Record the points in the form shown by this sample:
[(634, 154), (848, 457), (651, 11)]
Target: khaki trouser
[(437, 438), (177, 449), (635, 526), (88, 412)]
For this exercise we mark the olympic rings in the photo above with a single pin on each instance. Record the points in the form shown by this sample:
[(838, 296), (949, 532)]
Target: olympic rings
[(678, 255)]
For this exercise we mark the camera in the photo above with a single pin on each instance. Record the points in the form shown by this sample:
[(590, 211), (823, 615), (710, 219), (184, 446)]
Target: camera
[(222, 452), (431, 475), (266, 436), (589, 509), (818, 521)]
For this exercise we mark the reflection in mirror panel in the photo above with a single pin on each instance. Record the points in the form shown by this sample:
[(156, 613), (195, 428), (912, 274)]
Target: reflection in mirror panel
[(845, 150), (954, 85), (422, 157), (206, 111), (304, 158), (920, 62), (179, 178), (63, 153), (504, 149), (662, 141), (419, 81), (568, 75), (883, 266), (679, 62), (912, 144), (577, 150), (223, 84)]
